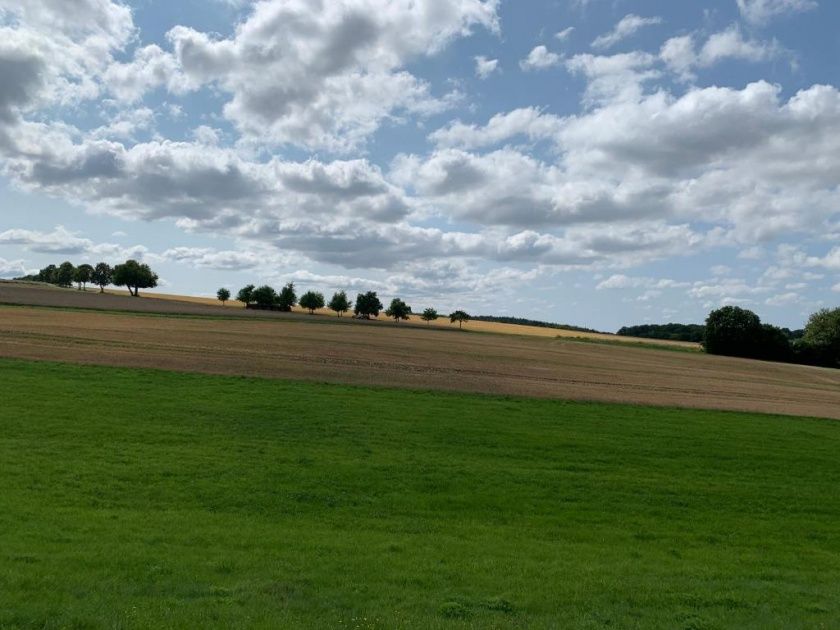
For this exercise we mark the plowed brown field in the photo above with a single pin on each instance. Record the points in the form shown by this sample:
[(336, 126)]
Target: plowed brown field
[(400, 356), (116, 300)]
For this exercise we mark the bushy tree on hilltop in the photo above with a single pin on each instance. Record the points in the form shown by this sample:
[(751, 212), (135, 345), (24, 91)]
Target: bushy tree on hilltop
[(339, 303), (312, 300), (733, 331), (264, 296), (460, 317), (223, 295), (135, 276), (102, 276), (822, 336), (65, 275), (83, 275), (429, 315), (246, 294), (398, 310), (367, 305), (287, 297)]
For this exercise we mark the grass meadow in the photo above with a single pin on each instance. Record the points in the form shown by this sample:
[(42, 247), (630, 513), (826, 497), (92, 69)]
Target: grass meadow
[(140, 498)]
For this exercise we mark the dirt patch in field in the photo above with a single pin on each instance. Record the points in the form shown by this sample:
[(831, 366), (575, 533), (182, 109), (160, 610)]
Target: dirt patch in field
[(399, 356)]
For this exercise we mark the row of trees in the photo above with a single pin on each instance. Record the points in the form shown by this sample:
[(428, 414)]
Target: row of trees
[(367, 304), (734, 331), (130, 274)]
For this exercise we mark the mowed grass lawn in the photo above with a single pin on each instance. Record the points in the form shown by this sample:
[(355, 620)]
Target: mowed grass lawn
[(146, 499)]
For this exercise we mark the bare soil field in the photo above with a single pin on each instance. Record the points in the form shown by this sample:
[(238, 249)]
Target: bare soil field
[(415, 357), (116, 300)]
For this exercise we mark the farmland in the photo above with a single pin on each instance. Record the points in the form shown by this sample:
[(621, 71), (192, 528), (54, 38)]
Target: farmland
[(143, 498), (164, 304), (178, 464), (338, 351)]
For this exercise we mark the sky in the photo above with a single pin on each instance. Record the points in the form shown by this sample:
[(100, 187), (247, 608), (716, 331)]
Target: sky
[(592, 162)]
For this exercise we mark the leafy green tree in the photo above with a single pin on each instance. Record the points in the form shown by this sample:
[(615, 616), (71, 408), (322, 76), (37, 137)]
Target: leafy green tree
[(48, 274), (287, 297), (134, 276), (367, 305), (223, 295), (312, 300), (822, 336), (398, 310), (264, 296), (339, 303), (460, 317), (65, 275), (733, 331), (774, 344), (83, 275), (102, 276), (246, 294), (429, 315)]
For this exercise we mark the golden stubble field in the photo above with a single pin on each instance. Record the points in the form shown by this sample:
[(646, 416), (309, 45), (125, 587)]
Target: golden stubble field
[(325, 350)]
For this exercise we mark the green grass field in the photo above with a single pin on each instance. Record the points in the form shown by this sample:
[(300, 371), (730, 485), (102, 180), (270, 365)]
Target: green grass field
[(145, 499)]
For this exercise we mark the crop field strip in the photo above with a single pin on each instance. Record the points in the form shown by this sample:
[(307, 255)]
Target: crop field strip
[(163, 304), (417, 358)]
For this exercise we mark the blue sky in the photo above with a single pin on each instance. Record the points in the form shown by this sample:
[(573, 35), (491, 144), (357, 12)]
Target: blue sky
[(594, 162)]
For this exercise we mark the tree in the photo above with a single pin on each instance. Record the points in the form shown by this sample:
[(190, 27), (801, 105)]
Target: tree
[(398, 310), (774, 344), (287, 297), (339, 303), (223, 295), (312, 300), (367, 305), (822, 336), (733, 331), (265, 296), (134, 276), (460, 317), (48, 274), (83, 275), (65, 275), (429, 315), (246, 294), (102, 276)]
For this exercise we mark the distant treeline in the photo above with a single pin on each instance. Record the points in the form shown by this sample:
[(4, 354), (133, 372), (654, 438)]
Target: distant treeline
[(520, 321), (685, 332)]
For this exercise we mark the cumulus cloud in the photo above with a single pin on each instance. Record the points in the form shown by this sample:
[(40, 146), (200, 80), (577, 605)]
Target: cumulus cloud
[(14, 268), (540, 58), (484, 67), (760, 12), (326, 75), (62, 241), (621, 281), (682, 55), (628, 25), (528, 122)]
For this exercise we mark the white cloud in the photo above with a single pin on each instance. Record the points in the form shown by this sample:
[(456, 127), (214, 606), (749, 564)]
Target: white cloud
[(681, 55), (762, 11), (14, 268), (621, 281), (528, 122), (564, 34), (326, 75), (484, 67), (628, 25), (540, 58)]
